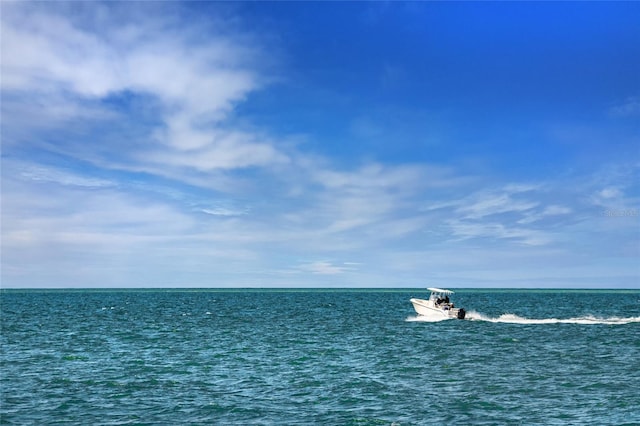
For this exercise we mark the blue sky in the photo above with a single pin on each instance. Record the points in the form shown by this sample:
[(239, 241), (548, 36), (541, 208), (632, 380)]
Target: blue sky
[(301, 144)]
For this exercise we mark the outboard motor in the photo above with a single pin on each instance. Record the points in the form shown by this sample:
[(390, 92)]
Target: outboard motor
[(461, 313)]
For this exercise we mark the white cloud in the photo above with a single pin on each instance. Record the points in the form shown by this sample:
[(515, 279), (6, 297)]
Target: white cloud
[(227, 211), (161, 171), (496, 231), (399, 178), (62, 177), (511, 213), (630, 107), (375, 199), (609, 193), (197, 82), (609, 197), (124, 235), (549, 211), (217, 150), (323, 267), (497, 202)]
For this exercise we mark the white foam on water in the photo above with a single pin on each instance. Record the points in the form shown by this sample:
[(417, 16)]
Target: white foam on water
[(427, 318), (515, 319)]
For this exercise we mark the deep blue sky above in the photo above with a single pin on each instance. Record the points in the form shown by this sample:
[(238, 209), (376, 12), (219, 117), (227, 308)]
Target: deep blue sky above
[(311, 144), (426, 71)]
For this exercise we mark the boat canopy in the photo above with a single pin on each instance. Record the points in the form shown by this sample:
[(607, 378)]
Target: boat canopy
[(439, 290)]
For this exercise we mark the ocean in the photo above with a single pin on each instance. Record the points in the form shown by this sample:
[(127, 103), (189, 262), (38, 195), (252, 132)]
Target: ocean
[(311, 357)]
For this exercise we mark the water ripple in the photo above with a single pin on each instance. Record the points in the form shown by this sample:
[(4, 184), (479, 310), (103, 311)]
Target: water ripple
[(359, 358)]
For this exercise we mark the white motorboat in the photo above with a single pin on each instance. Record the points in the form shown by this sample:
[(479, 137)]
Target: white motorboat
[(438, 304)]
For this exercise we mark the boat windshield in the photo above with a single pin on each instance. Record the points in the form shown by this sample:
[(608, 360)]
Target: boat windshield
[(440, 296)]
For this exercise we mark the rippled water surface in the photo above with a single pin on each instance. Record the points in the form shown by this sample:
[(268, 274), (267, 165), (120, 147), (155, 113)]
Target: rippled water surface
[(318, 357)]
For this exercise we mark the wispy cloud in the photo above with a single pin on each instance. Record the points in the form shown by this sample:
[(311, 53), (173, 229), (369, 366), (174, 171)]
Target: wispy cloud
[(129, 157), (38, 173), (495, 204), (225, 210), (323, 267), (629, 108), (497, 231), (549, 211), (55, 60)]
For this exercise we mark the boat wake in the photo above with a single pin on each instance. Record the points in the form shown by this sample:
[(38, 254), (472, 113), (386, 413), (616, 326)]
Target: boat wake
[(427, 318), (515, 319)]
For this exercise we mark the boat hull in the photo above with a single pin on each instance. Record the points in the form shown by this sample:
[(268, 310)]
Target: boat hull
[(428, 308)]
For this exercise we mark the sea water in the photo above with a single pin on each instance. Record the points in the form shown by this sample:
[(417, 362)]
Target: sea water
[(306, 357)]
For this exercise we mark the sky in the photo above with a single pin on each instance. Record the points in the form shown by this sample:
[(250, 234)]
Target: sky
[(320, 144)]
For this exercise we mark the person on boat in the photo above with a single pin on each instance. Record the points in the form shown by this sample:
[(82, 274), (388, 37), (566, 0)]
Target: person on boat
[(446, 299)]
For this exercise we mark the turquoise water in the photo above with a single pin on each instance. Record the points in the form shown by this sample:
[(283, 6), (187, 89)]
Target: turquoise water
[(318, 357)]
